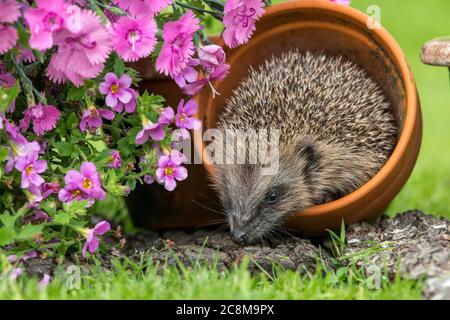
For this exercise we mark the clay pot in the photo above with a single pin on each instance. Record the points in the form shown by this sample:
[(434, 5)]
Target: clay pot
[(192, 203), (317, 25)]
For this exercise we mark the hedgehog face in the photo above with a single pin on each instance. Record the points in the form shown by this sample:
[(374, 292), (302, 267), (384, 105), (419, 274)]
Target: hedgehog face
[(256, 204)]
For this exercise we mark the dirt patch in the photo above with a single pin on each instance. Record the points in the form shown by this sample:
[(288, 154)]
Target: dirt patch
[(413, 243), (216, 248)]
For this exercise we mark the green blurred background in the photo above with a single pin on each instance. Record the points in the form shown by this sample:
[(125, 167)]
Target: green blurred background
[(412, 23)]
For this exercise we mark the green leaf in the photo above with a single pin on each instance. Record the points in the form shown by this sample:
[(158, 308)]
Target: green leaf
[(103, 158), (62, 218), (76, 94), (72, 121), (125, 147), (3, 153), (75, 208), (8, 220), (29, 231), (8, 95), (119, 66), (6, 236), (64, 148)]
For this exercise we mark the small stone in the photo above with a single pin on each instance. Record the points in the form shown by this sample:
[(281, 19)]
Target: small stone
[(437, 52)]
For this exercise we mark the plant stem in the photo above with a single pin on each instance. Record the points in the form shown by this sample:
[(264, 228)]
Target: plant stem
[(28, 84), (216, 14)]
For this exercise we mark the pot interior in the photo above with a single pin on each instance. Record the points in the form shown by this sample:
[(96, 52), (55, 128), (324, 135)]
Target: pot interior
[(314, 30)]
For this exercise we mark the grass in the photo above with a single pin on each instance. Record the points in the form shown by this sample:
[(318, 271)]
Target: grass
[(412, 24), (140, 280)]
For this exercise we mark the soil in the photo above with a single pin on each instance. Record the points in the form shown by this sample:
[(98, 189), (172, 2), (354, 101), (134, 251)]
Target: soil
[(420, 242)]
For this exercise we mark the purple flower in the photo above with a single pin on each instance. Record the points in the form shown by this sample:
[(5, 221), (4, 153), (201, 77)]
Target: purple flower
[(149, 179), (239, 20), (188, 74), (184, 119), (92, 118), (30, 167), (29, 255), (12, 258), (38, 216), (178, 46), (218, 73), (211, 56), (41, 193), (10, 12), (92, 240), (7, 81), (135, 38), (43, 21), (44, 281), (14, 133), (115, 89), (170, 169), (82, 185), (15, 273), (116, 160), (156, 131), (21, 151), (43, 118), (130, 106), (143, 7)]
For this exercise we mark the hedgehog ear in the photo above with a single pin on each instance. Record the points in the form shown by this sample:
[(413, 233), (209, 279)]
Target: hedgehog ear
[(308, 152)]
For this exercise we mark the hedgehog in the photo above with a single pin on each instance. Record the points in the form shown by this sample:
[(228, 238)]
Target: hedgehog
[(336, 130)]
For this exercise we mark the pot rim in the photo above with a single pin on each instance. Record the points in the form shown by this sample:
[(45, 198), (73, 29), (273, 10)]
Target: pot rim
[(411, 105)]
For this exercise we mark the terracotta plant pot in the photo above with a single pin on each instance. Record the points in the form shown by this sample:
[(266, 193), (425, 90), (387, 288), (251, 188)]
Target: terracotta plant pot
[(317, 25), (192, 203)]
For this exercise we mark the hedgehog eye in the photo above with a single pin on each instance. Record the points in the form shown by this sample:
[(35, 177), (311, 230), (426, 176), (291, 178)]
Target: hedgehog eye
[(272, 197)]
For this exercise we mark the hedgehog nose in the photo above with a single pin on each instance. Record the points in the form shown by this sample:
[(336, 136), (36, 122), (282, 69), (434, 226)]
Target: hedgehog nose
[(241, 239)]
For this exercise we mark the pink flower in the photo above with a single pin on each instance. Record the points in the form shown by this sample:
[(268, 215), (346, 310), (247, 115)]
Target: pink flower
[(49, 17), (25, 55), (30, 167), (92, 237), (82, 185), (135, 38), (156, 130), (115, 89), (178, 46), (116, 160), (92, 118), (184, 119), (239, 20), (344, 2), (43, 118), (143, 7), (10, 12), (170, 169), (44, 281), (83, 48)]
